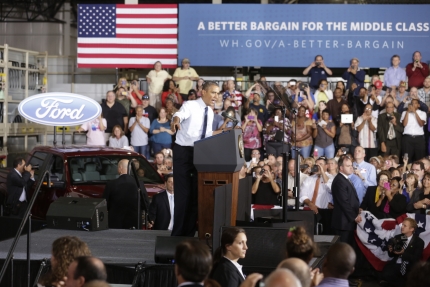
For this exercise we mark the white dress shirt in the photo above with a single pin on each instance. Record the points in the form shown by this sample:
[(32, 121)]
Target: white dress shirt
[(171, 199), (191, 115), (324, 190), (303, 176), (413, 128)]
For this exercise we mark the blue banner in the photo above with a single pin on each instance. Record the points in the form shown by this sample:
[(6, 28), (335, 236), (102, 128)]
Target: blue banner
[(292, 35)]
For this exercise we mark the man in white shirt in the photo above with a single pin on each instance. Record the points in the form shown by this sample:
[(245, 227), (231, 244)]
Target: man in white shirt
[(191, 123), (315, 191), (291, 176), (413, 142), (18, 182)]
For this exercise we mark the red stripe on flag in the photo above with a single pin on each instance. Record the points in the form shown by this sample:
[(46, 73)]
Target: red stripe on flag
[(426, 251), (127, 56), (149, 16), (104, 66), (401, 218), (377, 263), (159, 26), (389, 225), (146, 36), (142, 46), (147, 6)]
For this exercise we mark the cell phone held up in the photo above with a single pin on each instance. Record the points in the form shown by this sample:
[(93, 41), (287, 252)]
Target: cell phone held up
[(251, 118)]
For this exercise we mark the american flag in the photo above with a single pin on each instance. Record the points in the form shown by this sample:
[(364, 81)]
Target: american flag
[(127, 36), (372, 236)]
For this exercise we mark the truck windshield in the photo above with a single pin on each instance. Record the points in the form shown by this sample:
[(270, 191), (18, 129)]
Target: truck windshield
[(99, 169)]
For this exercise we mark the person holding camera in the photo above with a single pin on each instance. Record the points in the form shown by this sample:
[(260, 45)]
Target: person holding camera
[(317, 71), (252, 128), (316, 189), (171, 91), (354, 75), (413, 121), (390, 131), (126, 99), (265, 188), (416, 71), (406, 250), (18, 182)]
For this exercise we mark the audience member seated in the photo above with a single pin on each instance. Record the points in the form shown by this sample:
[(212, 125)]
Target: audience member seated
[(193, 262), (265, 188), (420, 199), (338, 265), (300, 245), (85, 269), (161, 209), (252, 128), (397, 269), (161, 132), (64, 250), (301, 270), (118, 138), (226, 270), (324, 132)]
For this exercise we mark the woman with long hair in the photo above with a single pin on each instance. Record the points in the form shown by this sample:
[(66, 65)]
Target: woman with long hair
[(199, 87), (161, 132), (411, 184), (252, 128), (156, 79), (118, 138), (420, 199), (64, 250), (300, 244), (226, 271), (171, 91), (301, 130)]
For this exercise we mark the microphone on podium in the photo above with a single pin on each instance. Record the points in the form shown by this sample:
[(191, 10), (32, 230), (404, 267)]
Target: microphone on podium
[(226, 115)]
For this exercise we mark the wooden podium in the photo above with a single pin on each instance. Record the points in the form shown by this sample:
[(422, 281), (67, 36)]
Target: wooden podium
[(218, 160)]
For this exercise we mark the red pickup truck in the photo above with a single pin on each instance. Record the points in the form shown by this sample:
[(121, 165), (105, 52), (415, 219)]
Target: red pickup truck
[(81, 171)]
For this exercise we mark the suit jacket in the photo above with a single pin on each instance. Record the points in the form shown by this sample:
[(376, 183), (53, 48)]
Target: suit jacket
[(383, 125), (397, 204), (412, 254), (15, 184), (159, 211), (121, 197), (346, 204), (226, 274)]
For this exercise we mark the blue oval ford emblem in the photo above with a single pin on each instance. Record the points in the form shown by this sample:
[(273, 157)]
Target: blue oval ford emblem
[(59, 109)]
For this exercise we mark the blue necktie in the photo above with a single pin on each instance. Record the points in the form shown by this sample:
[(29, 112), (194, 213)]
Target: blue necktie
[(205, 123)]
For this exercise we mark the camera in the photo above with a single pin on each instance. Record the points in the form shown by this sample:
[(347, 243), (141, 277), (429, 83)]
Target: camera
[(344, 149), (318, 64), (389, 117), (262, 171), (314, 169), (304, 166), (303, 86), (397, 243)]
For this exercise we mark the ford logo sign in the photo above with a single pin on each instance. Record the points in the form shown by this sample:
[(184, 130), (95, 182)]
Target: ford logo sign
[(59, 109)]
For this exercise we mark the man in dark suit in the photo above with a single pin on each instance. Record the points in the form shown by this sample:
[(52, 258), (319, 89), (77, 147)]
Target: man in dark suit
[(346, 203), (397, 269), (121, 197), (193, 262), (162, 206), (390, 131), (18, 182)]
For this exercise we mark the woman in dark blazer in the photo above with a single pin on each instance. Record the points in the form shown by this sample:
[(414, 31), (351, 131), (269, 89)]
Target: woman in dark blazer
[(420, 199), (226, 271), (373, 193), (392, 203)]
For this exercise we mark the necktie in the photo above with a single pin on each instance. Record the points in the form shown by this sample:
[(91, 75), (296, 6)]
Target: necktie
[(317, 186), (205, 123), (404, 263)]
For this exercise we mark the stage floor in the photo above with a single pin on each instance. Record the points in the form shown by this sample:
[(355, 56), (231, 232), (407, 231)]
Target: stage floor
[(113, 246)]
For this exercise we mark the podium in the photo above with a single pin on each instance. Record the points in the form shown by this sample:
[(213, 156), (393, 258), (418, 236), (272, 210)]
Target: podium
[(218, 160)]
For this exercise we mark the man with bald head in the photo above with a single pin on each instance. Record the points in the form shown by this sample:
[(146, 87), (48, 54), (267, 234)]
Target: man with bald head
[(291, 176), (299, 268), (85, 269), (282, 278), (338, 265), (122, 199)]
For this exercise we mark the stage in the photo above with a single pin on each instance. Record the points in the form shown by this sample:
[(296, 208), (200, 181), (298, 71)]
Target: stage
[(120, 250)]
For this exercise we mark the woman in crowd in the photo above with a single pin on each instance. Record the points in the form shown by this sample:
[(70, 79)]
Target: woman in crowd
[(252, 128), (410, 186), (420, 199), (117, 138), (170, 109), (64, 250), (124, 98), (324, 133), (322, 105), (301, 131), (255, 88), (139, 128), (346, 135), (376, 162), (161, 132), (156, 79), (199, 87), (300, 244), (323, 93), (122, 83), (332, 167), (95, 131), (309, 162), (226, 271), (395, 172), (171, 91), (341, 85), (274, 128), (192, 95)]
